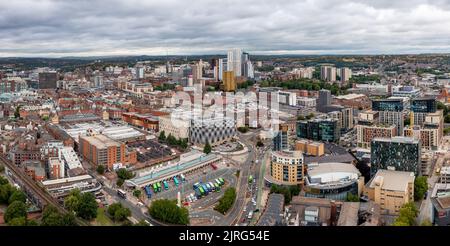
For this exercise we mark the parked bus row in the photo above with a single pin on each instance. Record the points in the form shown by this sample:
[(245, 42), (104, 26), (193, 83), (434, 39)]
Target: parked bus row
[(157, 187), (203, 189)]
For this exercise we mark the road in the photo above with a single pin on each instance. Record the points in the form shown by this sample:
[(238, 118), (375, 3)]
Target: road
[(33, 189)]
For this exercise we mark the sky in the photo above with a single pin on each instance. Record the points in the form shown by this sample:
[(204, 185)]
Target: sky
[(58, 28)]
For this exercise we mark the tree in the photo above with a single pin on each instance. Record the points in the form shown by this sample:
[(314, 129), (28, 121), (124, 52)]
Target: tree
[(300, 117), (167, 211), (259, 144), (352, 198), (310, 116), (124, 174), (243, 129), (118, 212), (5, 192), (87, 208), (51, 217), (162, 136), (20, 221), (72, 202), (3, 181), (227, 201), (137, 193), (447, 118), (101, 169), (119, 182), (184, 144), (16, 209), (407, 215), (207, 148), (420, 187), (17, 195)]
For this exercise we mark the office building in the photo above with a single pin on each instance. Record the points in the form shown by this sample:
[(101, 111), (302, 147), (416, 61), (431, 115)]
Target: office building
[(420, 107), (405, 91), (229, 81), (390, 111), (309, 147), (280, 141), (47, 80), (319, 130), (333, 181), (324, 99), (397, 153), (101, 150), (234, 61), (286, 168), (222, 67), (288, 98), (440, 200), (391, 190), (177, 127)]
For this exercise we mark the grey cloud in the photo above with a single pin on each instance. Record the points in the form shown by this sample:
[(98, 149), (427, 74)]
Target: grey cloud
[(135, 27)]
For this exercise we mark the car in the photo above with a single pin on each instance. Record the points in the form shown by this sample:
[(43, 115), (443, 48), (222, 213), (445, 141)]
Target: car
[(140, 204), (245, 209)]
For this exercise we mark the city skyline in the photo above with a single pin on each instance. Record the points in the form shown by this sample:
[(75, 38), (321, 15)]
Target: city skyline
[(61, 29)]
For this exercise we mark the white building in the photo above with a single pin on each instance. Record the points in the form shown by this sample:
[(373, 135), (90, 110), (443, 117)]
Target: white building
[(234, 59), (306, 102), (177, 127)]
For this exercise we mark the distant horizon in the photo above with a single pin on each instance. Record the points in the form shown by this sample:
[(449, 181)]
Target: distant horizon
[(219, 54)]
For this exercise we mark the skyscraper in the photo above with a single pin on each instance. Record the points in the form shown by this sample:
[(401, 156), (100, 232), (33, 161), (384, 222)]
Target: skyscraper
[(324, 99), (229, 81), (390, 112), (420, 107), (234, 58), (345, 74), (223, 66), (328, 73)]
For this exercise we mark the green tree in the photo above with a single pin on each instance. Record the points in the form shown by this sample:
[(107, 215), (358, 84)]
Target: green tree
[(227, 201), (87, 208), (352, 198), (420, 187), (5, 192), (243, 129), (3, 181), (207, 149), (310, 116), (119, 182), (124, 174), (184, 144), (20, 221), (137, 193), (17, 195), (407, 215), (300, 117), (447, 118), (73, 200), (167, 211), (16, 209), (118, 212), (162, 136), (51, 217), (101, 169)]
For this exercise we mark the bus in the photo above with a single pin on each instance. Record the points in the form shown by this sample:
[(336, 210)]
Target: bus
[(198, 193), (166, 185), (217, 181), (195, 185), (175, 180), (122, 193), (155, 187), (217, 186), (250, 179), (202, 191), (183, 179), (159, 186), (148, 192), (205, 189), (221, 181), (212, 186)]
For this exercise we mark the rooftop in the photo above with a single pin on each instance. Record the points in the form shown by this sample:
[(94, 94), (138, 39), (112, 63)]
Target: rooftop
[(101, 141), (392, 180)]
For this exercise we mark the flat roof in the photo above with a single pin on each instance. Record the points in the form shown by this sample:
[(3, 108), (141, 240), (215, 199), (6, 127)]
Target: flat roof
[(393, 180), (67, 180), (101, 141), (332, 167)]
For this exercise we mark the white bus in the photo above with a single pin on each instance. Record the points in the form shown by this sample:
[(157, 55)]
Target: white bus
[(122, 193)]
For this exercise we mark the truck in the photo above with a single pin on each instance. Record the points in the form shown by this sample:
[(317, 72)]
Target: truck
[(166, 185), (175, 180)]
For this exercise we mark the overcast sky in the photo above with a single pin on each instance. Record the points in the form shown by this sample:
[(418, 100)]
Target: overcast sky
[(55, 28)]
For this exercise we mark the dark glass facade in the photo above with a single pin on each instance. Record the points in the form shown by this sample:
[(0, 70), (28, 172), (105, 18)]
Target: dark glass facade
[(424, 105), (403, 154), (319, 130), (388, 105)]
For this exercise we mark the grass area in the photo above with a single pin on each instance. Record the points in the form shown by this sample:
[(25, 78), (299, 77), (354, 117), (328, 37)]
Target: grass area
[(102, 219)]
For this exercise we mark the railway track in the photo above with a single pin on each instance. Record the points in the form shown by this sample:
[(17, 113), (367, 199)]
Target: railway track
[(39, 192)]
